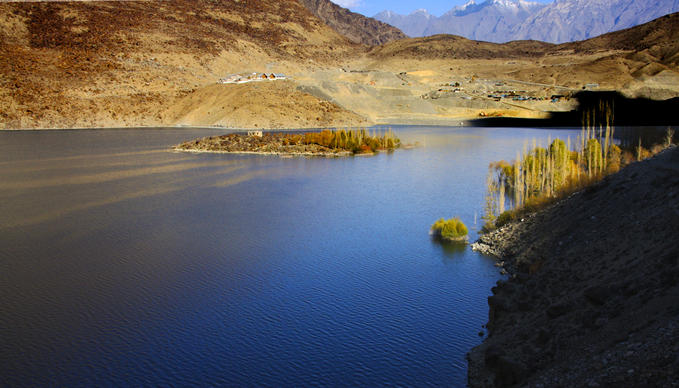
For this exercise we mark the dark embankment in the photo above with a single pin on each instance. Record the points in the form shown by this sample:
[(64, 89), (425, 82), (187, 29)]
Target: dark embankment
[(626, 111), (592, 300)]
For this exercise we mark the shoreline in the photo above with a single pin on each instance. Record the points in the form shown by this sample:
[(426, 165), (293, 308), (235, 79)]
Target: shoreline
[(593, 281), (148, 127), (628, 113), (272, 153)]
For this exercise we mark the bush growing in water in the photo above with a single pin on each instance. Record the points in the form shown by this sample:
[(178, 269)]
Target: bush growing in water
[(453, 229)]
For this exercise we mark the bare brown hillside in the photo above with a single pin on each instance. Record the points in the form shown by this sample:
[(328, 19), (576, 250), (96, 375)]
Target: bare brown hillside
[(261, 105), (108, 63), (640, 61), (134, 63), (457, 47), (657, 38), (646, 50)]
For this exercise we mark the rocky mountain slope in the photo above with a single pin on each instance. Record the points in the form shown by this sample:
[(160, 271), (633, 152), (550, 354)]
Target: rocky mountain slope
[(592, 301), (491, 21), (124, 63), (140, 63), (556, 22), (571, 20), (356, 27), (635, 60)]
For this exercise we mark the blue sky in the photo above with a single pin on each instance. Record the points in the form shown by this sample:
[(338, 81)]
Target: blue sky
[(435, 7)]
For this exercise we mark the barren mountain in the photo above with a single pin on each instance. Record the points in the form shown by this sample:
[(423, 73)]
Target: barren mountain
[(572, 20), (358, 28), (556, 22), (626, 60), (123, 63), (656, 40), (142, 63), (457, 47)]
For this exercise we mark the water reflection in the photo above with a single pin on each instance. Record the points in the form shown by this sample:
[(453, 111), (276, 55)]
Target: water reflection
[(125, 264), (452, 250)]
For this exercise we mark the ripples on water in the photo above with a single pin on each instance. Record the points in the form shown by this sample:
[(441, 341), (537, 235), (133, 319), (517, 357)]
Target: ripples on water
[(122, 263)]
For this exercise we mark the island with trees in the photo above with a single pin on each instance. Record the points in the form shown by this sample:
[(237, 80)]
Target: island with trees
[(324, 143)]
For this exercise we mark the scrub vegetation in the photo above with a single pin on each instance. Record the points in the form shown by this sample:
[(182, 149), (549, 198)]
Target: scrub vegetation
[(450, 230), (356, 141)]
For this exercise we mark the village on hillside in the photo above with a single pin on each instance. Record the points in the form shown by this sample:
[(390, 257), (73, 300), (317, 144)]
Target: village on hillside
[(251, 77)]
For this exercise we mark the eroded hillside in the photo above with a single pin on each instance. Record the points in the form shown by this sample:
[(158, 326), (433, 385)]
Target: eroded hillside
[(356, 27), (124, 63), (154, 63), (641, 62)]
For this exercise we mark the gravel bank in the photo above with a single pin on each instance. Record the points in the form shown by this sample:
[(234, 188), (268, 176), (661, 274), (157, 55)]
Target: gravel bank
[(593, 296)]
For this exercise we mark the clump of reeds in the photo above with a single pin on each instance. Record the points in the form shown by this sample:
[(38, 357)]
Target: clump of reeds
[(354, 140), (669, 135)]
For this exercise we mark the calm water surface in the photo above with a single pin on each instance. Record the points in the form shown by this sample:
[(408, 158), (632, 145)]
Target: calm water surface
[(122, 263)]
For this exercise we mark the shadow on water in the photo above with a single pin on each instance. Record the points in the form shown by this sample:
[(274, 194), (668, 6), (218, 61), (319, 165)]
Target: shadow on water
[(632, 112), (451, 250), (123, 263)]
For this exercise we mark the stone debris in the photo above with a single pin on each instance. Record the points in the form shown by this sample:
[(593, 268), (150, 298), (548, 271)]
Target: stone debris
[(583, 308)]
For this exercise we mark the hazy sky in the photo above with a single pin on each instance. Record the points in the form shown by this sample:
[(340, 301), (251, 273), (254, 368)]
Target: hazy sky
[(436, 7)]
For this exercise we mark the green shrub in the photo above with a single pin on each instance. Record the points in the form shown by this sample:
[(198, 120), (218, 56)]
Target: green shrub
[(505, 218), (453, 229)]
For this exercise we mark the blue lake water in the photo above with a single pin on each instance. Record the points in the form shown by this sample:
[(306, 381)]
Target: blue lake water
[(125, 264)]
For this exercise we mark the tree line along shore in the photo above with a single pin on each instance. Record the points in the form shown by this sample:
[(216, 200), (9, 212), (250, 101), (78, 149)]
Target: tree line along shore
[(591, 295), (586, 231)]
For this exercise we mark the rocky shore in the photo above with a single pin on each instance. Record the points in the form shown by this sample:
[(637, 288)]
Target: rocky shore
[(268, 144), (592, 296)]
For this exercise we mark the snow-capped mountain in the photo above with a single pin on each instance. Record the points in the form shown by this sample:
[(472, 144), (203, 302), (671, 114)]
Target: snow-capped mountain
[(492, 20), (570, 20), (557, 22), (413, 24)]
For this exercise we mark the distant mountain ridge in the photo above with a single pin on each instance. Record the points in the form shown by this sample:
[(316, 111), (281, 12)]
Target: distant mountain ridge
[(557, 22), (356, 27)]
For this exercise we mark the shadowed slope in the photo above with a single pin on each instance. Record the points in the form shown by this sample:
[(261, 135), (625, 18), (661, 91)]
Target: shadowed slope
[(356, 27)]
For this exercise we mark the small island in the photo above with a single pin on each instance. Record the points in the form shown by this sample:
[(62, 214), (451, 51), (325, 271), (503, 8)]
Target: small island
[(452, 230), (324, 143)]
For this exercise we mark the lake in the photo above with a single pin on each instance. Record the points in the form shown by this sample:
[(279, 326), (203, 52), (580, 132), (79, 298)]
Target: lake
[(123, 263)]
